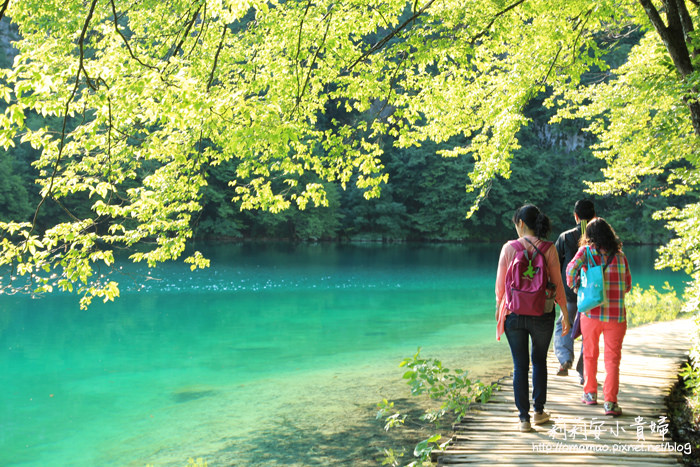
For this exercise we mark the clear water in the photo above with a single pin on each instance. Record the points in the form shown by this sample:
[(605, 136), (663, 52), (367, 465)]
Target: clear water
[(276, 355)]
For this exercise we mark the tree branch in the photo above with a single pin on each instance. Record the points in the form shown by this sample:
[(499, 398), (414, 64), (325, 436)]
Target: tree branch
[(672, 35), (675, 40), (81, 67), (201, 30), (126, 42), (381, 15), (109, 137), (216, 57), (296, 57), (687, 24), (538, 84), (178, 47), (3, 8), (672, 15), (392, 81), (391, 35), (493, 20), (655, 18), (581, 23), (313, 62)]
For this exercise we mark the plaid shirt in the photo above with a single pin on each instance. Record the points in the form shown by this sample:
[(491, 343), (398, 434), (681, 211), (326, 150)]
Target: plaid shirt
[(618, 282)]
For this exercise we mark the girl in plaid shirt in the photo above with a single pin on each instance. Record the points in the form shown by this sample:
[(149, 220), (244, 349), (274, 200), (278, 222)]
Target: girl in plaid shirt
[(609, 319)]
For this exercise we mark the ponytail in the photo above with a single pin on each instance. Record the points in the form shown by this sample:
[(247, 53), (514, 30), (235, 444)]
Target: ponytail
[(542, 225), (535, 219)]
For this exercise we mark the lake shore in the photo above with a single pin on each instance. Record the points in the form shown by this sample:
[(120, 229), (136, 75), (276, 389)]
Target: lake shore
[(331, 420), (324, 416)]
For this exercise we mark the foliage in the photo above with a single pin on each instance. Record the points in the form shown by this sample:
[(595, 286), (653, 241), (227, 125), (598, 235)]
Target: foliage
[(425, 448), (14, 198), (452, 388), (199, 462), (142, 102), (650, 305), (647, 86), (391, 457), (691, 376), (191, 462), (393, 420)]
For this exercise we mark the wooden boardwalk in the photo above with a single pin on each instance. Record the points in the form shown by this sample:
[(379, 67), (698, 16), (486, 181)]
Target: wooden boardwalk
[(581, 434)]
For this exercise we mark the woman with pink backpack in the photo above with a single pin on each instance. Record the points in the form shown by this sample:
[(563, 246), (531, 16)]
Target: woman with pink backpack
[(528, 282)]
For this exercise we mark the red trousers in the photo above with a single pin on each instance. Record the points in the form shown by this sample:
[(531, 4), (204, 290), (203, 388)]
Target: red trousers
[(613, 335)]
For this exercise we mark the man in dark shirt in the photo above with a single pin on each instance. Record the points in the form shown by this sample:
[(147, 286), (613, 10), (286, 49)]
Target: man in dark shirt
[(567, 245)]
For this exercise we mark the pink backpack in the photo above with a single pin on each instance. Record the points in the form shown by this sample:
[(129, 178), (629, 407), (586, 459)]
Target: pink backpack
[(527, 280)]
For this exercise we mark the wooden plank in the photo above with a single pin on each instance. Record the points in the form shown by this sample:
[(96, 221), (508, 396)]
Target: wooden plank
[(581, 434), (553, 460)]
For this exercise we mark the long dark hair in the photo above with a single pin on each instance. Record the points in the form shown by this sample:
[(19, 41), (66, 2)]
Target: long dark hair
[(535, 219), (602, 236)]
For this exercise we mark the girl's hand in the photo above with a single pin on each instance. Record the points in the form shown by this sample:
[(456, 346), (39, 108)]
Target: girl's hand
[(565, 327)]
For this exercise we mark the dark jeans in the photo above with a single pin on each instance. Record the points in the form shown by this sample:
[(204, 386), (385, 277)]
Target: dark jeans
[(519, 331)]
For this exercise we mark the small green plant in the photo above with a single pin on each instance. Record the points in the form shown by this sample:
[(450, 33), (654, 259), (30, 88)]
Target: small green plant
[(452, 388), (425, 448), (393, 420), (391, 457), (650, 305), (191, 462), (691, 375), (199, 462)]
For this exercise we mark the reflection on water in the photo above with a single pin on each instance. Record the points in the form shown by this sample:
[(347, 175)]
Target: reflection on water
[(273, 348)]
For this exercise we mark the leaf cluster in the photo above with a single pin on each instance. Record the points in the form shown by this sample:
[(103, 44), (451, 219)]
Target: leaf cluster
[(452, 388), (297, 101)]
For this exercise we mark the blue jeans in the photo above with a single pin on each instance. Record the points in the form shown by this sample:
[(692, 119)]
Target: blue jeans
[(519, 331), (564, 345)]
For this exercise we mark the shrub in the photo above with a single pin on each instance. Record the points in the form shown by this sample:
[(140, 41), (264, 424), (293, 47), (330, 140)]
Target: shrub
[(649, 306), (452, 388)]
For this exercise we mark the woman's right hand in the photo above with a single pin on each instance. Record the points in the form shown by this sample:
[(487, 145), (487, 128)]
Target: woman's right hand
[(565, 326)]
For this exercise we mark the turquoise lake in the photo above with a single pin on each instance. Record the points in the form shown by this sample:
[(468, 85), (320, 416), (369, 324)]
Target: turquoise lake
[(275, 355)]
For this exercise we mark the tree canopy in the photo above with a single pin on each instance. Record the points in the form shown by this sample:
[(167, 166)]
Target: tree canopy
[(140, 100)]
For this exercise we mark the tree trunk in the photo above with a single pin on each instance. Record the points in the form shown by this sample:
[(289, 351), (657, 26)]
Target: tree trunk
[(675, 37)]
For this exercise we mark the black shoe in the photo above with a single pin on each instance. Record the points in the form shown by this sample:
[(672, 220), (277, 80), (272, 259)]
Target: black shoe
[(581, 379), (564, 369)]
